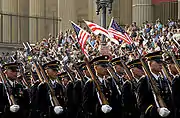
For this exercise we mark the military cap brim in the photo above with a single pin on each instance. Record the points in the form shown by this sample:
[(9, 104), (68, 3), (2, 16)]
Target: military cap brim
[(11, 66), (156, 56), (117, 60), (63, 75), (168, 59), (81, 65), (51, 65), (27, 73), (100, 60), (134, 63)]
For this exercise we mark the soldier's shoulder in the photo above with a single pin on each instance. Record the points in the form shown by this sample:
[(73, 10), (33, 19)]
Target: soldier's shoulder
[(88, 82), (176, 79), (127, 82), (142, 79)]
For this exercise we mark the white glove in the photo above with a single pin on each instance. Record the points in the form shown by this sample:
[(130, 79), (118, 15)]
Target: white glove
[(14, 108), (58, 109), (163, 112), (106, 108)]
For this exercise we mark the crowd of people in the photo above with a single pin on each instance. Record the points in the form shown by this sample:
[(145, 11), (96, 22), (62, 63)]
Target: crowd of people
[(52, 78)]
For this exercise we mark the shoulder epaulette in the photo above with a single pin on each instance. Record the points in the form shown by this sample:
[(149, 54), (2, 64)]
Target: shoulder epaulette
[(149, 108)]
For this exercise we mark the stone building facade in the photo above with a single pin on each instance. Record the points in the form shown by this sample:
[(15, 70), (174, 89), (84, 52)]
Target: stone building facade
[(31, 20)]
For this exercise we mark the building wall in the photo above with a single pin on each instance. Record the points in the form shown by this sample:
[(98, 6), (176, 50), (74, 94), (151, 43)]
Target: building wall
[(37, 18)]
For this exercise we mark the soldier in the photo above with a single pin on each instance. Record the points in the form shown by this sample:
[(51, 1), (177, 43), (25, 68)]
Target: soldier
[(85, 73), (74, 93), (175, 84), (118, 67), (92, 104), (20, 94), (45, 101), (147, 101), (34, 111), (68, 90), (129, 100)]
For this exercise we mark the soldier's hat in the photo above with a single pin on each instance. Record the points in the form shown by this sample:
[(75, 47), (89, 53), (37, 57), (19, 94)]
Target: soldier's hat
[(156, 56), (100, 60), (63, 75), (52, 65), (81, 65), (117, 60), (168, 59), (27, 73), (135, 63), (11, 66)]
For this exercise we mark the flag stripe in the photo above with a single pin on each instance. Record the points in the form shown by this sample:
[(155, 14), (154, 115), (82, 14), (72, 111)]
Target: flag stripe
[(118, 32), (82, 36), (96, 29)]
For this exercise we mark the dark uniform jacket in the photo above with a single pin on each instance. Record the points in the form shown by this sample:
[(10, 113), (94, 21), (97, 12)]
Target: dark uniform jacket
[(44, 102), (91, 104), (129, 101), (146, 102), (176, 96), (21, 97), (74, 99)]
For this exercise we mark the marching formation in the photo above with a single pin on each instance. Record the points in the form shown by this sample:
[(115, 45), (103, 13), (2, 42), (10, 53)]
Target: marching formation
[(69, 80)]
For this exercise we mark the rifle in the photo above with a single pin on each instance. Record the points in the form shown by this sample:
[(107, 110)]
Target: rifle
[(102, 98), (115, 79), (7, 89), (171, 54), (69, 72), (167, 75), (80, 74), (128, 73), (23, 76)]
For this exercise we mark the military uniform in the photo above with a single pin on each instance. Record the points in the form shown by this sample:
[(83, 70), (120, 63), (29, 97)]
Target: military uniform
[(176, 95), (146, 101), (92, 104), (175, 86), (21, 96), (45, 104)]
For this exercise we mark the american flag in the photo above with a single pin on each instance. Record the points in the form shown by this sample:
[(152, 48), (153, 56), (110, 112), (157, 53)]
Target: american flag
[(81, 34), (118, 32), (96, 29)]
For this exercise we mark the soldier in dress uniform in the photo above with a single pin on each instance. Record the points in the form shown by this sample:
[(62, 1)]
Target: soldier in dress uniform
[(147, 101), (175, 84), (20, 109), (34, 111), (70, 94), (44, 96), (118, 67), (92, 104), (129, 100)]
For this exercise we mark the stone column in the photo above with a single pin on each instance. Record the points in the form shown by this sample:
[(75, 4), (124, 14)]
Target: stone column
[(10, 23), (96, 18), (61, 8), (51, 12), (66, 11), (142, 11), (90, 10), (1, 23), (23, 22), (178, 9), (37, 22)]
